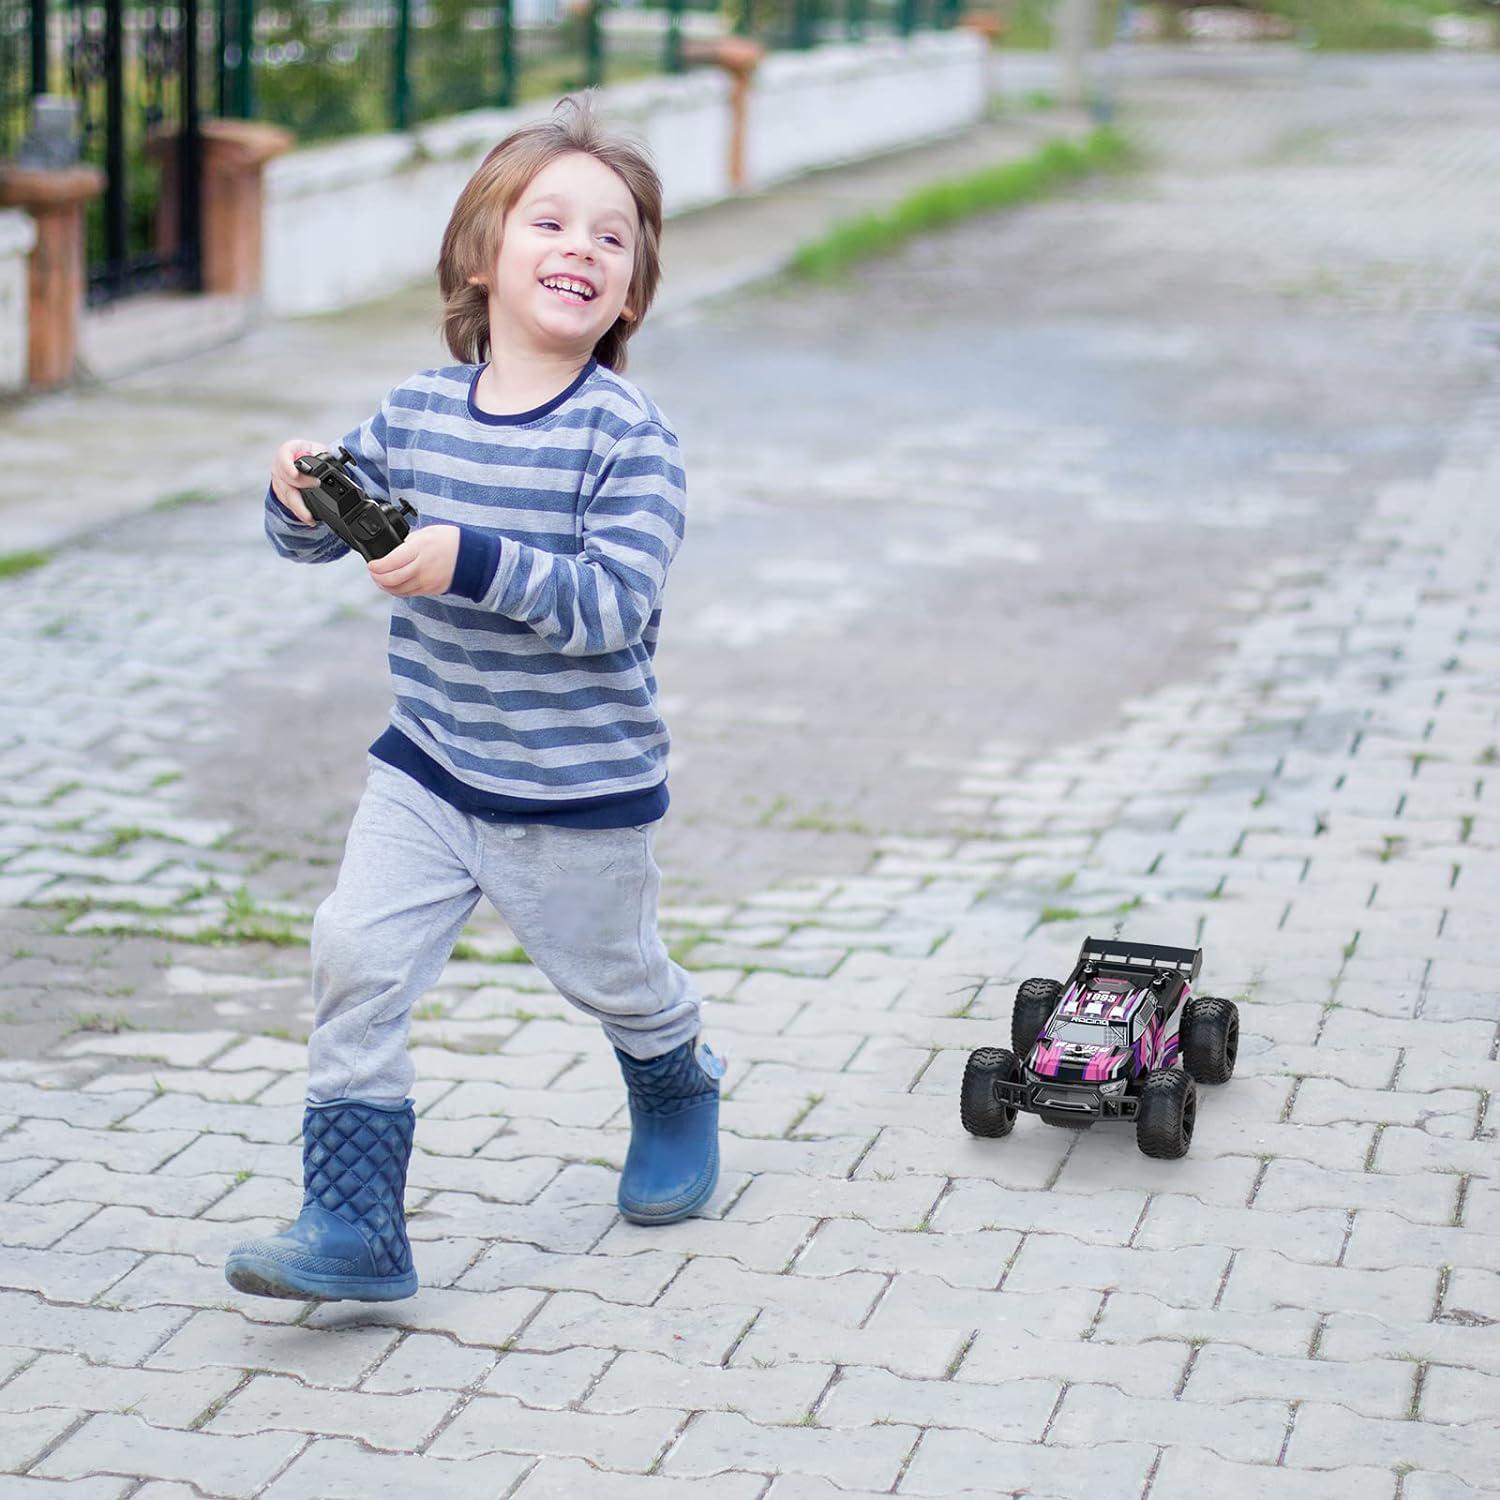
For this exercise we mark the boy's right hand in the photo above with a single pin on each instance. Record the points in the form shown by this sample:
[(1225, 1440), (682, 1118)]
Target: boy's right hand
[(286, 481)]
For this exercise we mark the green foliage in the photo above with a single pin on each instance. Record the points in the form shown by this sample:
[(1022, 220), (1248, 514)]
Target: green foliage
[(12, 564), (1361, 25), (944, 203)]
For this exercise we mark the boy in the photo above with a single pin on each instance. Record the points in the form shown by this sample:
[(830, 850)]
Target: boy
[(525, 758)]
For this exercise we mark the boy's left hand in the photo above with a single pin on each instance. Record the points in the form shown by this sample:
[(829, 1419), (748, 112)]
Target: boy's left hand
[(422, 564)]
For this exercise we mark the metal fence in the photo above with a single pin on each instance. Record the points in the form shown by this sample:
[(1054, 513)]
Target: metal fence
[(326, 68)]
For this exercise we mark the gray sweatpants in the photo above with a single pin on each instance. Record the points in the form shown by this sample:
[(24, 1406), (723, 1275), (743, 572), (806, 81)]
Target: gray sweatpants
[(581, 901)]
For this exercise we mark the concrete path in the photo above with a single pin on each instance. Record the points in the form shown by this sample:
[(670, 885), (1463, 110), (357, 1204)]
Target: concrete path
[(1121, 566)]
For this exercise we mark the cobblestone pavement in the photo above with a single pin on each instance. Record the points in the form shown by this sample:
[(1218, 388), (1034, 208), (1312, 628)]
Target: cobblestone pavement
[(1214, 447)]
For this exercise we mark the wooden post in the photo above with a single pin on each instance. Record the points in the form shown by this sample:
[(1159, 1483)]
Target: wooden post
[(235, 153), (56, 200), (739, 57)]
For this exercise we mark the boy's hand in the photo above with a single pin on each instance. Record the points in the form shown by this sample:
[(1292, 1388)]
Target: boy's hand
[(422, 564), (286, 481)]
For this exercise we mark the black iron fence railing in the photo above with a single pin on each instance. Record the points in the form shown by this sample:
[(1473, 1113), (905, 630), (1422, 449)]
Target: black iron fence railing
[(143, 72)]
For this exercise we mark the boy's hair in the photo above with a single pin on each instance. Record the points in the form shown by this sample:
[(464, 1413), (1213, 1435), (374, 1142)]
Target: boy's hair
[(472, 239)]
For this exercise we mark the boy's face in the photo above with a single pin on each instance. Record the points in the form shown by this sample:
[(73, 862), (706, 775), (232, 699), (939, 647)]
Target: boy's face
[(567, 251)]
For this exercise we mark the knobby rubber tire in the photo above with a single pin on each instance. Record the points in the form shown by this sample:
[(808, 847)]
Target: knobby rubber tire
[(1167, 1113), (1210, 1038), (1036, 999), (981, 1112)]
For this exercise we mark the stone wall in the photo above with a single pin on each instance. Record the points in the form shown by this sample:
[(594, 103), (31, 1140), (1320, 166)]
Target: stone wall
[(352, 220), (17, 235)]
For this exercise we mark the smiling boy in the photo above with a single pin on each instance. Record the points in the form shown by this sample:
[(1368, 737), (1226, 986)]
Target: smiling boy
[(525, 759)]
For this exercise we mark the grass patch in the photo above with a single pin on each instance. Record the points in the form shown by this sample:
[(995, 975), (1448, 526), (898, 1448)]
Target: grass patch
[(1362, 25), (943, 203), (13, 564), (180, 499), (1059, 914), (468, 953)]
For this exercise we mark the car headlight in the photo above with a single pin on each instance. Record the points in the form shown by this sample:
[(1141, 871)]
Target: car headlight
[(1113, 1088)]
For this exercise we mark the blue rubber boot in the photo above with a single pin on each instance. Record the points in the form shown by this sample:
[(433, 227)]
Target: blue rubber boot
[(350, 1239), (672, 1166)]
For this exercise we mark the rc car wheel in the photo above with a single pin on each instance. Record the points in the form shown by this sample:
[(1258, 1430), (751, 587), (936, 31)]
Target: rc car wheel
[(1035, 1001), (1168, 1110), (982, 1113), (1210, 1038)]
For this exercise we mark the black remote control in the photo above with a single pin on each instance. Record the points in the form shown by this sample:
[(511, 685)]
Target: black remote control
[(371, 527)]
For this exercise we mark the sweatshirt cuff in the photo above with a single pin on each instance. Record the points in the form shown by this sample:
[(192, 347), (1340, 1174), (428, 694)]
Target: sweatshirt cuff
[(478, 562), (297, 521)]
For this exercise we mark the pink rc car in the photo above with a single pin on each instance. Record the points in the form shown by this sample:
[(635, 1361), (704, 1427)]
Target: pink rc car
[(1123, 1039)]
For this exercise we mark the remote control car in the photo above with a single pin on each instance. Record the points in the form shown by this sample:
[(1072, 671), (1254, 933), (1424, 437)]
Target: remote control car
[(371, 527), (1123, 1039)]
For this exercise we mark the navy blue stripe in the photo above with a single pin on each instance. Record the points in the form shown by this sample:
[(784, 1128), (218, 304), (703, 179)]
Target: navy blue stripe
[(622, 810)]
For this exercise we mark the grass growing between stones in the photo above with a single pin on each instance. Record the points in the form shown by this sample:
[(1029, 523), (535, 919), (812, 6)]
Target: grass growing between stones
[(943, 203), (12, 564)]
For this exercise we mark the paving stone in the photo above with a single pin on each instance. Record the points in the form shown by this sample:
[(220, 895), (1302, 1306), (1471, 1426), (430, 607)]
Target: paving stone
[(39, 1225), (769, 1245), (1017, 1410), (1470, 1291), (1188, 1276), (1440, 1112), (1450, 1395), (1108, 1217), (136, 1229), (975, 1258), (555, 1380), (429, 1362), (1128, 1318), (78, 1107), (24, 1436), (717, 1441), (764, 1396), (707, 1282), (638, 1278), (236, 1466), (1384, 1240), (119, 1150), (1196, 1471), (1262, 1280), (161, 1398), (183, 1282), (1293, 1185), (255, 1122), (275, 1403), (337, 1469), (1248, 1431), (1310, 1234), (487, 1321), (63, 1277), (180, 1049), (575, 1320), (1325, 1434), (1379, 1389), (89, 1182), (778, 1337), (490, 1424), (333, 1357), (564, 1478), (101, 1487), (955, 1462)]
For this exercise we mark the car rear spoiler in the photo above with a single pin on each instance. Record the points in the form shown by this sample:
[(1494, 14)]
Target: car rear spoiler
[(1186, 961)]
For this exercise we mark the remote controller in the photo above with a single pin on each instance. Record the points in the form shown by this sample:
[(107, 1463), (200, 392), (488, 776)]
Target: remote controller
[(371, 527)]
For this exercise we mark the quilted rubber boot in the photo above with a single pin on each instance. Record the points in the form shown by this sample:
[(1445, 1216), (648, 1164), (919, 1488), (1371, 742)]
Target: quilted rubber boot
[(350, 1239), (672, 1166)]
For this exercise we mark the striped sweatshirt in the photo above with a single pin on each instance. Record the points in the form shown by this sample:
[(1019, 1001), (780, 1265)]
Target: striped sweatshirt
[(527, 691)]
